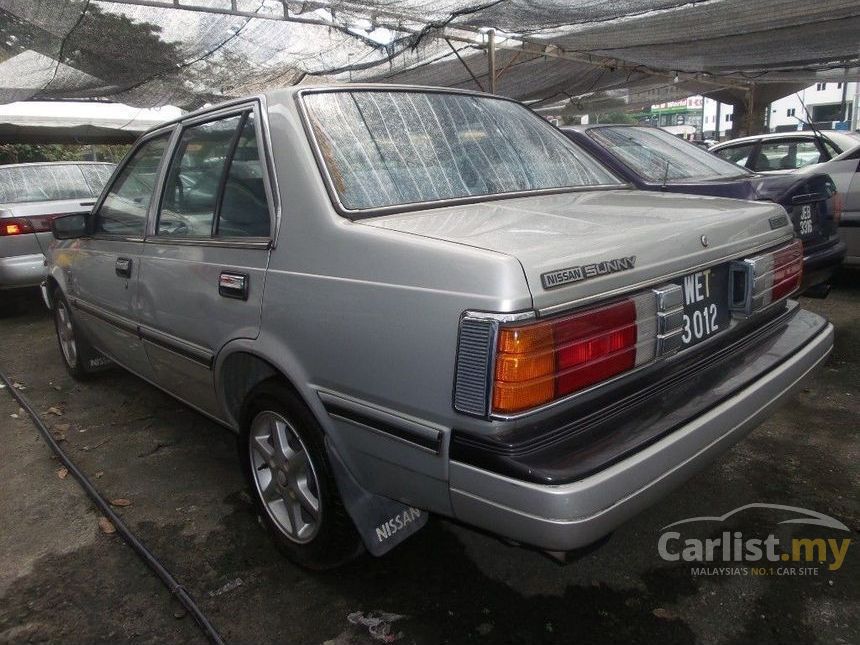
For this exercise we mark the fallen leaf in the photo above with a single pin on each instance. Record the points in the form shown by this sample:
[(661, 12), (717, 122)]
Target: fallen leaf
[(664, 613), (99, 474), (121, 502), (18, 386), (57, 388), (54, 410), (106, 526), (13, 415), (62, 472), (62, 427)]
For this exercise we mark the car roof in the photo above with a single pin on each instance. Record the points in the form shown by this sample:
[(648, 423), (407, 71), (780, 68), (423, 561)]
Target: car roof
[(31, 164), (799, 134), (283, 94)]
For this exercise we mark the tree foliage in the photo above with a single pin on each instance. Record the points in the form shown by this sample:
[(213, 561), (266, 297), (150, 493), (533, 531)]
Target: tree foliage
[(27, 153)]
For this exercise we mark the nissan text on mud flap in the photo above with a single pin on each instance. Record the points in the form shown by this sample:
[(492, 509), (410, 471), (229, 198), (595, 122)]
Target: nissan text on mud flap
[(409, 301)]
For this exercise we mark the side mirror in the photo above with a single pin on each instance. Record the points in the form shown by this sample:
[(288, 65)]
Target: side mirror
[(69, 227)]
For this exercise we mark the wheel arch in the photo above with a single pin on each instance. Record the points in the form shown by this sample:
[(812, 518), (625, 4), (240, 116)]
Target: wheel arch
[(239, 369)]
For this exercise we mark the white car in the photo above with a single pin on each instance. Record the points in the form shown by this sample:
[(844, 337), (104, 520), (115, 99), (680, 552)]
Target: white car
[(834, 152)]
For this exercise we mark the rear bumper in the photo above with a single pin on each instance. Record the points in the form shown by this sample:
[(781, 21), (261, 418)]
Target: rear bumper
[(22, 271), (819, 265), (568, 516)]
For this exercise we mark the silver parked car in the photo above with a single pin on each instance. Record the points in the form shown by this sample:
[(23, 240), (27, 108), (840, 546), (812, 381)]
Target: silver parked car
[(31, 195), (410, 301), (834, 152)]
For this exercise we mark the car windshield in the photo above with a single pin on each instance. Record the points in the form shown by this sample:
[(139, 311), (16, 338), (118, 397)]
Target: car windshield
[(48, 182), (658, 156), (388, 148)]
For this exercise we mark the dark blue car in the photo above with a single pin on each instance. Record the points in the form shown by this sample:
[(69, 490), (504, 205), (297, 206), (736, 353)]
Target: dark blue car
[(652, 159)]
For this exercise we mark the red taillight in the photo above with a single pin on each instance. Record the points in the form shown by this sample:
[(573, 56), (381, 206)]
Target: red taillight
[(41, 223), (764, 279), (787, 270), (539, 362), (838, 205), (15, 226), (34, 224)]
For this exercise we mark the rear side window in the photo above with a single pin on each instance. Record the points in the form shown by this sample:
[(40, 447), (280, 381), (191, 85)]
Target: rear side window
[(787, 155), (739, 155), (123, 211), (832, 150), (215, 184), (42, 183)]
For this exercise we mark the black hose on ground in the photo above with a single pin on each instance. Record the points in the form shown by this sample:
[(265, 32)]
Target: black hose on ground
[(102, 504)]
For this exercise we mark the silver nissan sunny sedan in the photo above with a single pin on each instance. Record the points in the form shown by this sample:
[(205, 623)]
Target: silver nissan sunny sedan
[(409, 301)]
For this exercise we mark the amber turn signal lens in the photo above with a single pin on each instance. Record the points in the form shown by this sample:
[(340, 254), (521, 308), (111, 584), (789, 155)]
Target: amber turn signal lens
[(513, 397)]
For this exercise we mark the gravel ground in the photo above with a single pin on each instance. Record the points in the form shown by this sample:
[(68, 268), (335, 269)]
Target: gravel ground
[(64, 580)]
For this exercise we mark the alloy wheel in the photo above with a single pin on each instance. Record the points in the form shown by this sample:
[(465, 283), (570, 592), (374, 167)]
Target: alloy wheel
[(285, 477), (66, 334)]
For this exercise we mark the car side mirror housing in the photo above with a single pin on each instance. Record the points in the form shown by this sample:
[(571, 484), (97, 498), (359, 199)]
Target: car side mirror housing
[(69, 227)]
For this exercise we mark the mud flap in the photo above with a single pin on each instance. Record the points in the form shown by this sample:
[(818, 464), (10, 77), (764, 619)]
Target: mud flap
[(383, 523)]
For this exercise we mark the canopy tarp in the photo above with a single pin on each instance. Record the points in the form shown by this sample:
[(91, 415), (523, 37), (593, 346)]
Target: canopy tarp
[(73, 122), (189, 52)]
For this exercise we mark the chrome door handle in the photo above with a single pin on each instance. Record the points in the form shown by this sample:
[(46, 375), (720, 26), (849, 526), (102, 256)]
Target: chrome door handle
[(123, 267), (233, 285)]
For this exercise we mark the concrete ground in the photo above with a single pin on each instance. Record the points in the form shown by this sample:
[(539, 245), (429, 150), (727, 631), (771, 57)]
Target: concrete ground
[(63, 580)]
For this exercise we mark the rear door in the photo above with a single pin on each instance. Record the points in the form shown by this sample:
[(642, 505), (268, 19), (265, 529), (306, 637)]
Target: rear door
[(103, 269), (204, 261)]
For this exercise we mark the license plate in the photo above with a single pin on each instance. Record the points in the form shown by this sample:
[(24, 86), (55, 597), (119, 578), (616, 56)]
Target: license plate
[(706, 304), (806, 216)]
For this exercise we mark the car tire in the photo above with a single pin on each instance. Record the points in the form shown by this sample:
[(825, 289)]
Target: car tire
[(283, 455), (81, 359)]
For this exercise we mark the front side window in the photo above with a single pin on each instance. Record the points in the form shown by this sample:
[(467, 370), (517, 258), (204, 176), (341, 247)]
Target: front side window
[(406, 147), (215, 184), (123, 211), (787, 155), (656, 155)]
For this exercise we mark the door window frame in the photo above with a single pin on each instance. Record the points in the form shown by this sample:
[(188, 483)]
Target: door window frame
[(170, 130), (261, 133)]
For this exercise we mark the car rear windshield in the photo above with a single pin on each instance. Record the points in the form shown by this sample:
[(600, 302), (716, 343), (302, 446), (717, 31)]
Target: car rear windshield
[(390, 148), (655, 155), (49, 182)]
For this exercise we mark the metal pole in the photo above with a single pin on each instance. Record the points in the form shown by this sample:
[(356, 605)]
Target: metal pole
[(855, 105), (717, 129), (491, 58)]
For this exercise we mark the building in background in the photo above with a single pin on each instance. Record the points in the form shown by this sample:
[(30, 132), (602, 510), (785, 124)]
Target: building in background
[(822, 100), (824, 103), (686, 112)]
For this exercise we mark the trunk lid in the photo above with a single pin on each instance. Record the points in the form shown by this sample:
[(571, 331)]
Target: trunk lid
[(640, 236), (40, 214), (806, 197)]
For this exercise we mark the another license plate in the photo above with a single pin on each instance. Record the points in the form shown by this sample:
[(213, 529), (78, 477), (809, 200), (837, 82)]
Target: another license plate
[(706, 304), (806, 216)]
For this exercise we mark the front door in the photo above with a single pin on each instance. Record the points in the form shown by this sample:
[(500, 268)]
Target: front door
[(104, 281), (205, 257)]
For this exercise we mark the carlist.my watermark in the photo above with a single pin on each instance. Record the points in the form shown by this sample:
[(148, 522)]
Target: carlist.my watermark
[(735, 552)]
